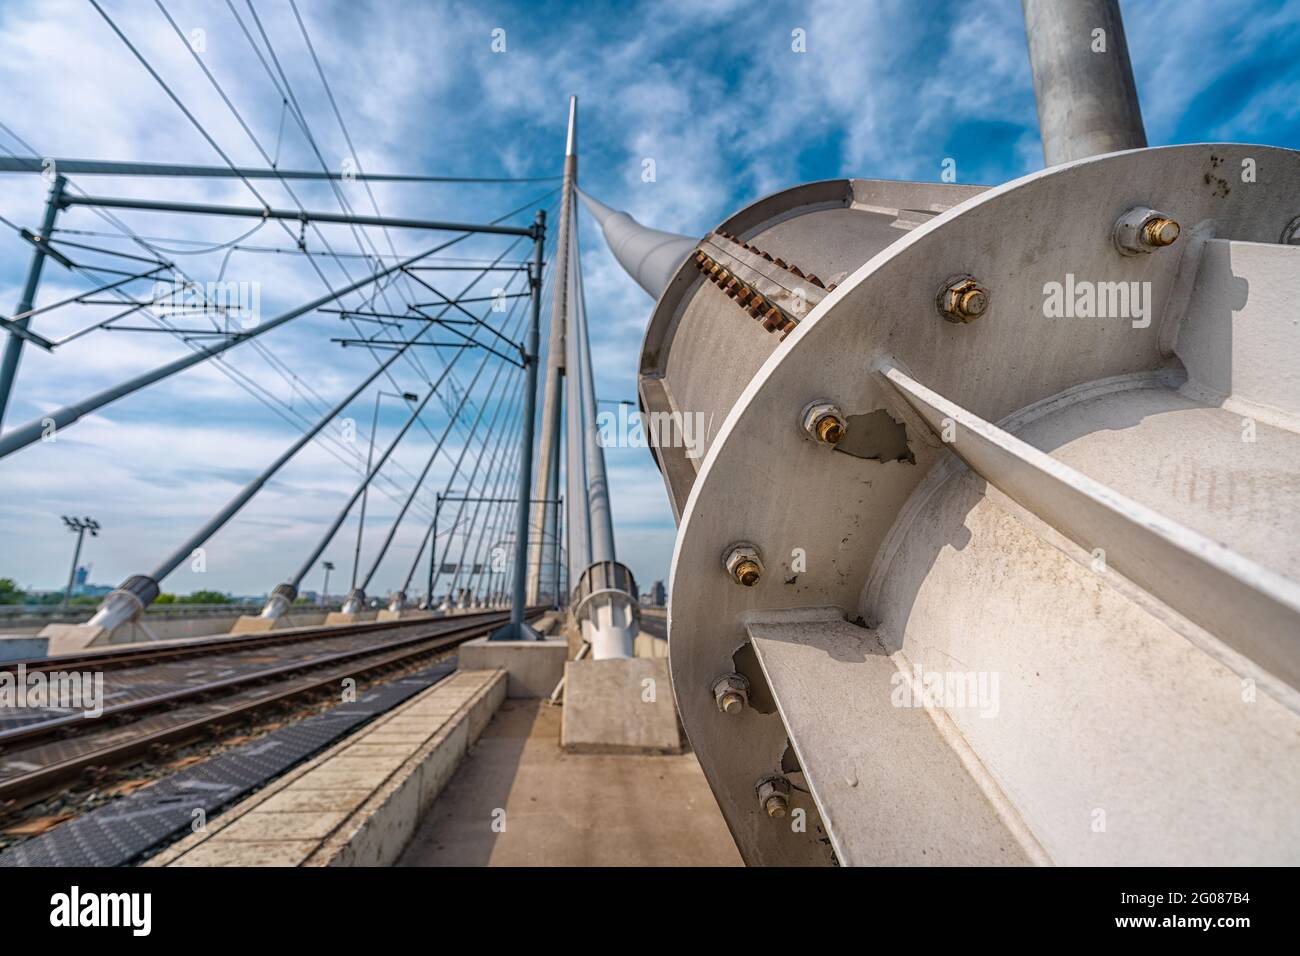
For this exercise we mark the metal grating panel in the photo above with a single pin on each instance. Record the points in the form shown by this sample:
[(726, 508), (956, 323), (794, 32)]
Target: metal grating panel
[(126, 830)]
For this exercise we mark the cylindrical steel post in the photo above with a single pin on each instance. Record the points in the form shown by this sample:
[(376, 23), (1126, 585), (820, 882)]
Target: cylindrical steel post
[(526, 446), (546, 514), (72, 574)]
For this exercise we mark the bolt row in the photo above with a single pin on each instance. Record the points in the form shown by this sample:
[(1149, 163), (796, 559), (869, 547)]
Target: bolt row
[(752, 301), (962, 299), (1139, 231), (775, 260)]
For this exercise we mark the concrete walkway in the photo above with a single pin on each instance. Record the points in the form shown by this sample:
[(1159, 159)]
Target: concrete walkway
[(568, 809)]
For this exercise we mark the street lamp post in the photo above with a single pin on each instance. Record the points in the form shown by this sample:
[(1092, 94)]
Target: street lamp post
[(80, 526), (325, 588)]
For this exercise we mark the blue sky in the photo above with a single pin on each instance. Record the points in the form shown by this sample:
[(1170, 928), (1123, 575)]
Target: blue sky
[(712, 92)]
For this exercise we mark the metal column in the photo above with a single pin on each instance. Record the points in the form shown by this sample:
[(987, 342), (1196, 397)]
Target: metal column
[(546, 515), (1083, 80), (14, 347), (517, 629)]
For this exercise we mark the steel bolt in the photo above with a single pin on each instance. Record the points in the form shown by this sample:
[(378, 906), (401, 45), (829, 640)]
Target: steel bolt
[(743, 563), (731, 692), (774, 796), (824, 422), (1160, 231), (963, 300), (1143, 230)]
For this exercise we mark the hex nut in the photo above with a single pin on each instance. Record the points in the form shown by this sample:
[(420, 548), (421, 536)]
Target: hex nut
[(731, 693), (962, 300), (1142, 230), (774, 796), (744, 564), (823, 422)]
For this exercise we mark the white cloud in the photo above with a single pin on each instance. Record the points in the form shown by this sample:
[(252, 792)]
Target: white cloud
[(727, 114)]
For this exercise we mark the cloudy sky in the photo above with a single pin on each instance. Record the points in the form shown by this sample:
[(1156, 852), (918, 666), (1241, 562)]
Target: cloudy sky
[(713, 93)]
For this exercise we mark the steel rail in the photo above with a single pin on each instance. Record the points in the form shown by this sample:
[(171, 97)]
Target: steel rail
[(114, 658), (45, 728), (42, 780)]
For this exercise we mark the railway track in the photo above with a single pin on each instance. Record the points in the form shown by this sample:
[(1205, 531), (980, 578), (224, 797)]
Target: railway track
[(155, 699)]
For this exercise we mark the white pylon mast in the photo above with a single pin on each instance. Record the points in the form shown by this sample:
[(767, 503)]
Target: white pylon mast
[(545, 520), (603, 592)]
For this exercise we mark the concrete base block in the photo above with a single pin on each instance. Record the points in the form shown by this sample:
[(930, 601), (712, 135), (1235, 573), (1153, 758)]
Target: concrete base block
[(342, 617), (253, 624), (535, 667), (405, 614), (23, 648), (649, 645), (620, 706), (70, 638)]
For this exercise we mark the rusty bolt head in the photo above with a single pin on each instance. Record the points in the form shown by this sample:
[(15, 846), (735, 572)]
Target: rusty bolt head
[(822, 421), (962, 299), (774, 796), (731, 693), (831, 430), (744, 564), (1160, 231), (1143, 230)]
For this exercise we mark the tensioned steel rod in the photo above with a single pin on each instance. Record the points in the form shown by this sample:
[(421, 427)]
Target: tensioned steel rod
[(492, 430), (253, 212), (451, 479), (406, 584), (343, 512), (575, 450), (419, 481), (599, 519), (83, 297), (365, 482), (365, 494), (435, 573), (93, 167), (14, 344), (172, 561), (25, 435), (497, 516), (494, 485)]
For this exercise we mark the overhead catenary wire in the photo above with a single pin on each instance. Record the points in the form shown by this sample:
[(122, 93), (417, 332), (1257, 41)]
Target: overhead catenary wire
[(461, 505), (376, 283), (333, 528)]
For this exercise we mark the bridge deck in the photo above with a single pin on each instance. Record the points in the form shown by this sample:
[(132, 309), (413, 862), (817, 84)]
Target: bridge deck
[(569, 809)]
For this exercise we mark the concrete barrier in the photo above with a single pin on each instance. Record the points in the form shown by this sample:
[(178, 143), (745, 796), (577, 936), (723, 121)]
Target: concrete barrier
[(535, 667), (620, 706), (358, 803)]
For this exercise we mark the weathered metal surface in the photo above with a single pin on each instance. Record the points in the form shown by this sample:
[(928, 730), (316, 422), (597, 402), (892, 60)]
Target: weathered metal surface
[(1136, 723), (703, 345)]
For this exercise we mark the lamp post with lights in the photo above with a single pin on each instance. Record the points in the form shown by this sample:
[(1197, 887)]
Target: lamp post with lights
[(80, 526)]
